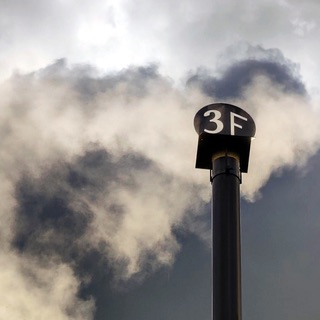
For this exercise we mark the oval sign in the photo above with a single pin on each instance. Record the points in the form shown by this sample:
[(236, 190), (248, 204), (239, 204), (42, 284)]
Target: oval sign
[(224, 119)]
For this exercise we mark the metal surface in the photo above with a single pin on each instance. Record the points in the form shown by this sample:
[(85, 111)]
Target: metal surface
[(226, 273), (220, 127)]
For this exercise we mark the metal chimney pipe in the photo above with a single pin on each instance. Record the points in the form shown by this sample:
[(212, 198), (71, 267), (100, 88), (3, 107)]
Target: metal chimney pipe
[(225, 133), (226, 262)]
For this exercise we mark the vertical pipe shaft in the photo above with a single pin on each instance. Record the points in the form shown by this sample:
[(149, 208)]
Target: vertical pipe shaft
[(226, 273)]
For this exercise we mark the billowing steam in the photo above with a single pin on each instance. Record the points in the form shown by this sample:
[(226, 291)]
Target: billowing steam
[(105, 164)]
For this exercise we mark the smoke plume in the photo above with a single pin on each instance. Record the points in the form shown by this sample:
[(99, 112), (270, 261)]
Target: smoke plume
[(103, 165)]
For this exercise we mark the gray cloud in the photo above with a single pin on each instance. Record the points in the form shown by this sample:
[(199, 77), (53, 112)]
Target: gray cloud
[(241, 75)]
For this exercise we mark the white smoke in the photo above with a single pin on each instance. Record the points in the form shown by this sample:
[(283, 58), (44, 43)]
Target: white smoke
[(46, 120), (31, 291), (287, 132)]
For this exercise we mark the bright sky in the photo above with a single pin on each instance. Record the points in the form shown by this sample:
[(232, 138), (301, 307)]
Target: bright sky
[(179, 36)]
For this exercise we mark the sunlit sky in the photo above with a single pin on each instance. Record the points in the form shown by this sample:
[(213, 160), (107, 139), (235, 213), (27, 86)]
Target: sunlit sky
[(178, 36)]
